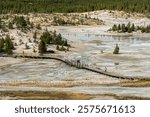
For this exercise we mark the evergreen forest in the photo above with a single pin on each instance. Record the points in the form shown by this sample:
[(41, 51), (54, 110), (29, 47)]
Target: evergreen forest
[(67, 6)]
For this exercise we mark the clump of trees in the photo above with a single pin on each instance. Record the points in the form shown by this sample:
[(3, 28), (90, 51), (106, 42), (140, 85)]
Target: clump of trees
[(6, 45), (143, 29), (122, 28), (53, 38), (48, 38), (129, 28)]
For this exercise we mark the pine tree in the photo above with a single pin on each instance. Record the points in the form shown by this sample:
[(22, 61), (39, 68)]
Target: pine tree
[(128, 25), (46, 37), (0, 23), (57, 47), (42, 47), (129, 28), (2, 45), (58, 39), (143, 30), (123, 28), (119, 27), (133, 27), (147, 29), (116, 50), (8, 45), (10, 25), (114, 28), (65, 43)]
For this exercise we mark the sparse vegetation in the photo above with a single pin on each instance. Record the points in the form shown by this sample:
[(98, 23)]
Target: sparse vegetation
[(22, 23), (61, 22)]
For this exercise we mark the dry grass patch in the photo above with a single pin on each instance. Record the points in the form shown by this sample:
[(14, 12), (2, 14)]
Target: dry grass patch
[(44, 95), (64, 84), (135, 83), (129, 97), (40, 84), (124, 97), (62, 95)]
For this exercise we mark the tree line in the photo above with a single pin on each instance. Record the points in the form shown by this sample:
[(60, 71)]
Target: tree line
[(67, 6), (122, 28)]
